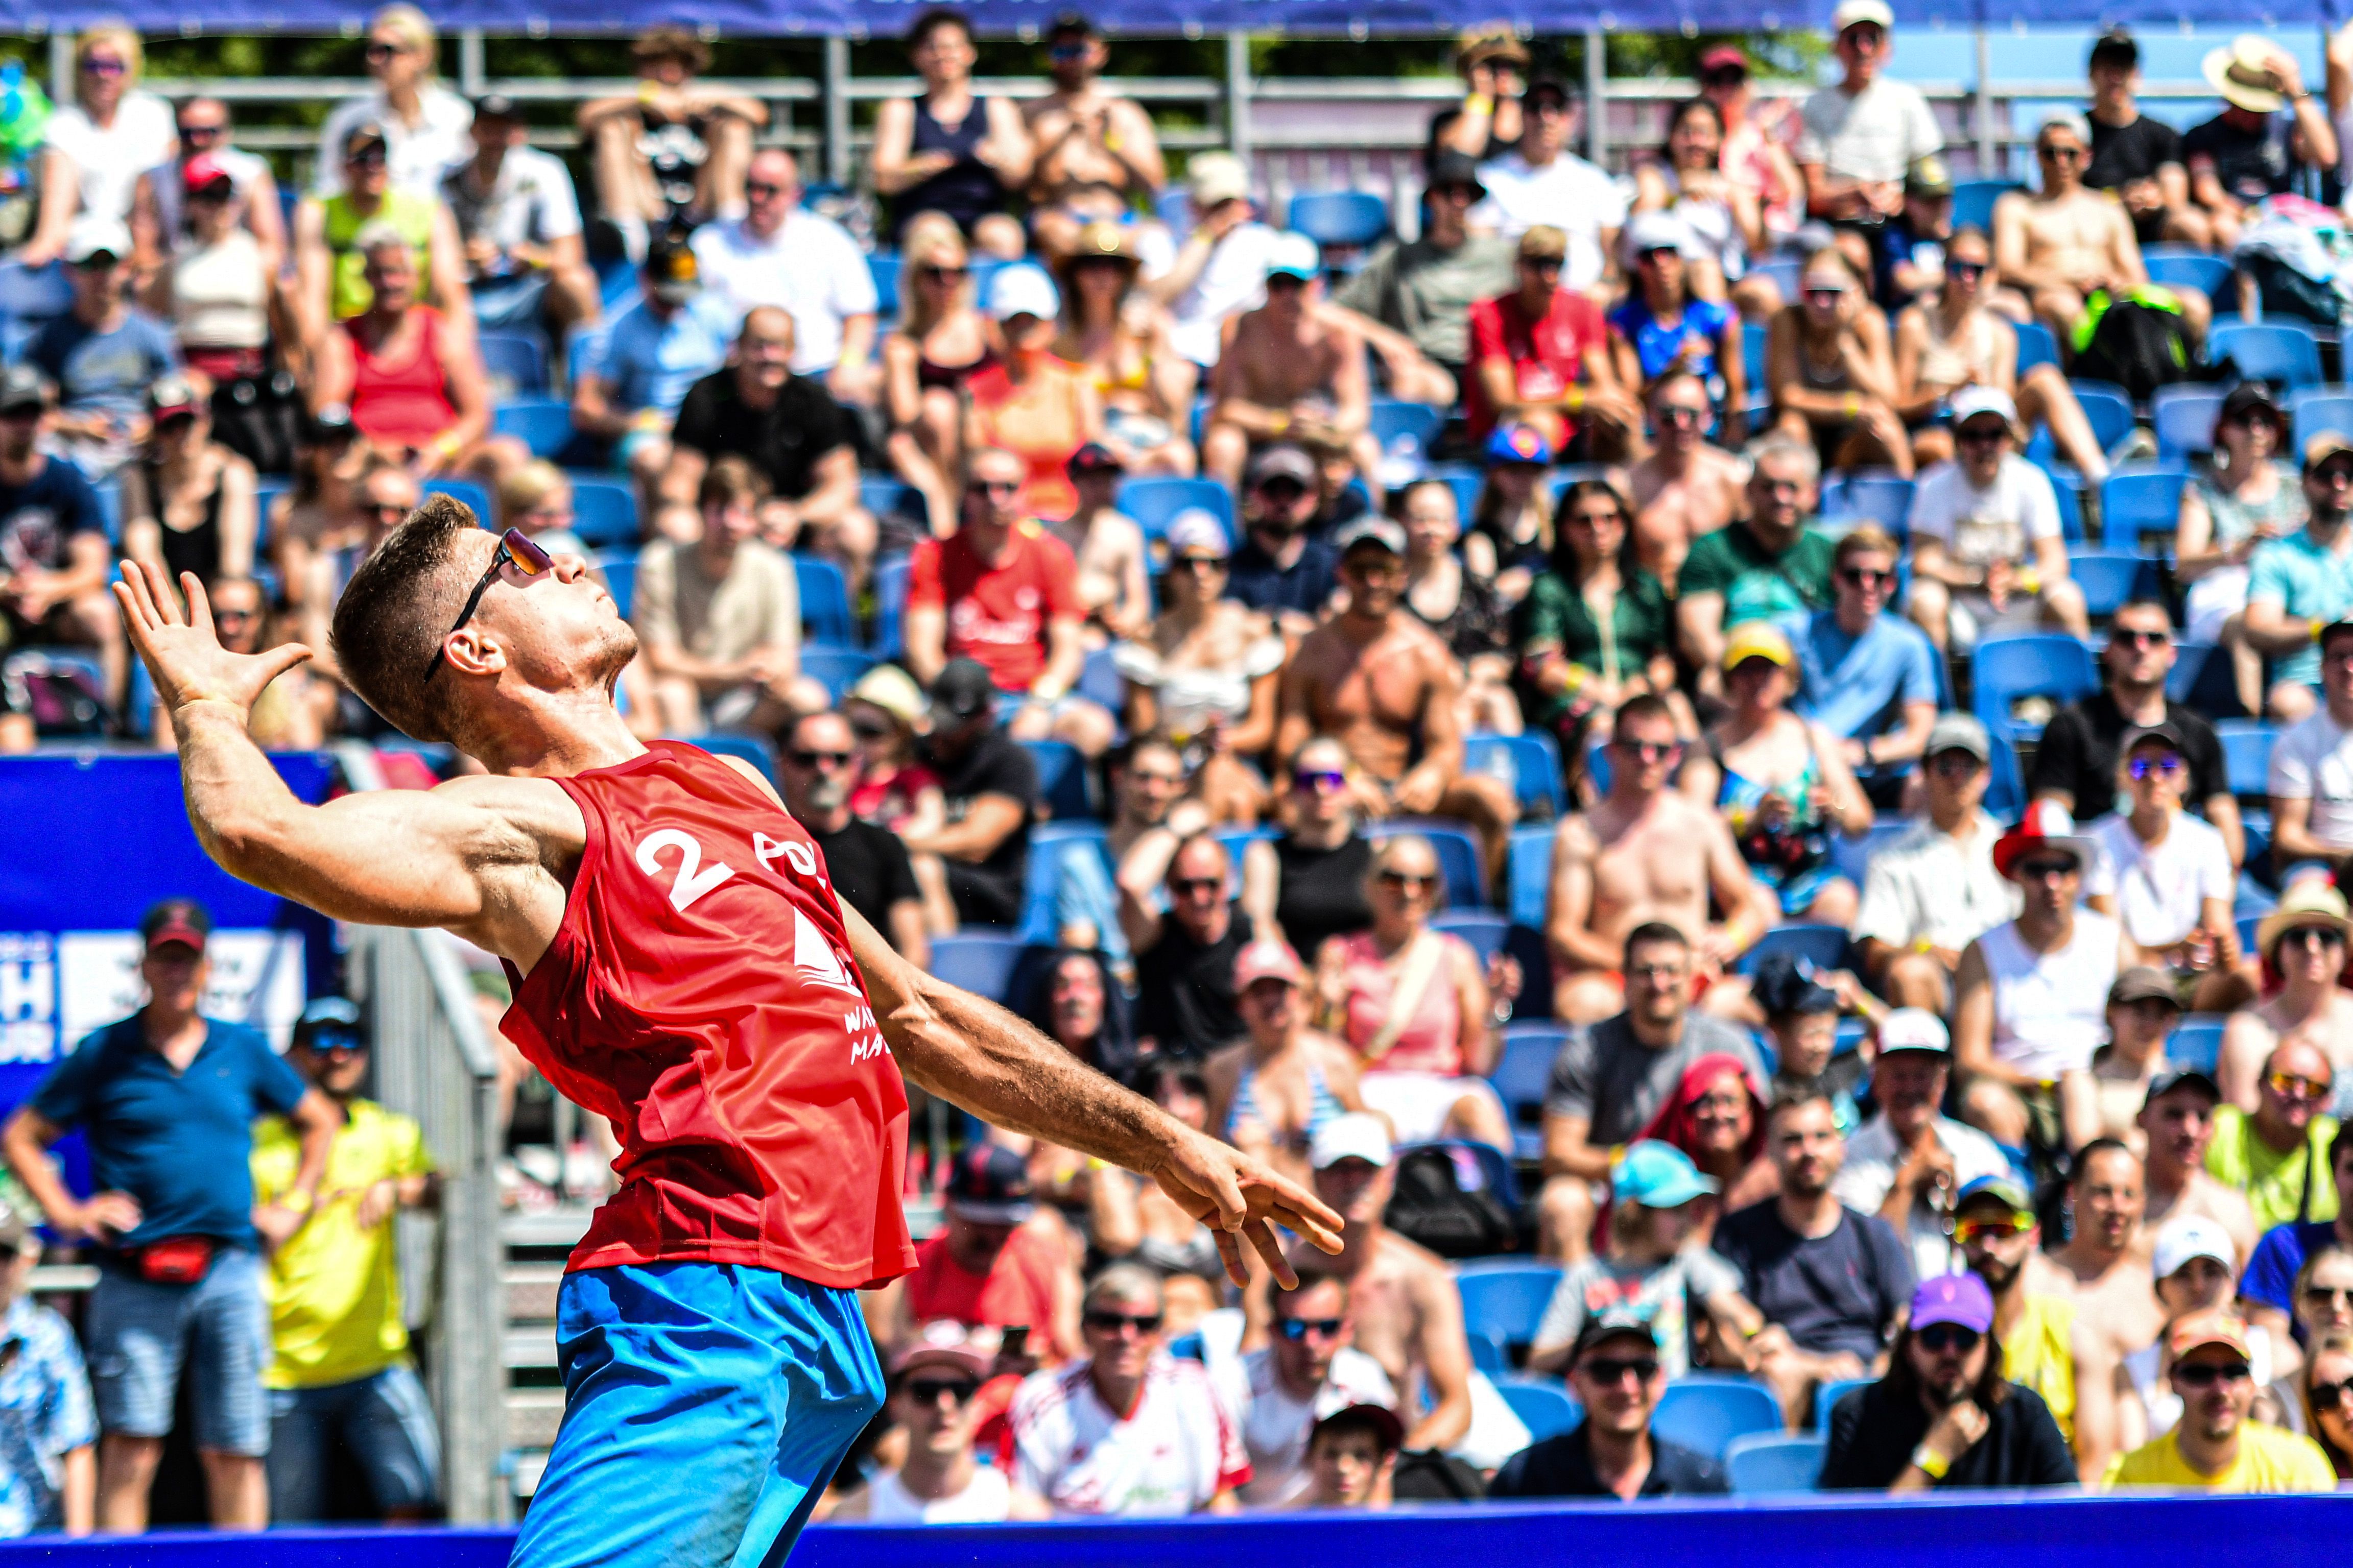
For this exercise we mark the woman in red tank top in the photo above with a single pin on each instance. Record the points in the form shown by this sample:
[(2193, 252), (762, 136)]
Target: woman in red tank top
[(415, 387)]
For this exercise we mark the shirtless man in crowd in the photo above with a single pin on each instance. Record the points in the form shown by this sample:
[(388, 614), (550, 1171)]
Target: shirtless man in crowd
[(1379, 681), (1287, 373), (1087, 140), (2058, 245), (2179, 1118), (1646, 853), (2108, 1258), (1687, 486)]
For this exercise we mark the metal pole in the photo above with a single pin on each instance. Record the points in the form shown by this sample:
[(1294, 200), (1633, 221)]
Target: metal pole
[(1237, 95), (837, 111), (470, 72), (61, 67), (1983, 109), (1596, 96)]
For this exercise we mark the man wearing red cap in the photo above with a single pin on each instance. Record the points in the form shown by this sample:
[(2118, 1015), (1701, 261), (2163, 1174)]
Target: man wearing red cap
[(2214, 1448)]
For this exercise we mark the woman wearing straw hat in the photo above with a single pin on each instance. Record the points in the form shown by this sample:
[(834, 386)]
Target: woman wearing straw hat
[(2235, 159), (2303, 947)]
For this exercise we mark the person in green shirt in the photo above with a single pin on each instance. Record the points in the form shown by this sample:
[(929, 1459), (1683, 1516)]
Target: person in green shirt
[(1770, 567), (1425, 287), (2277, 1153), (1594, 630)]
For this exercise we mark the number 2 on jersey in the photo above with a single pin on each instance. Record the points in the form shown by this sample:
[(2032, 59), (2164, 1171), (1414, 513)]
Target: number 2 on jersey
[(691, 882)]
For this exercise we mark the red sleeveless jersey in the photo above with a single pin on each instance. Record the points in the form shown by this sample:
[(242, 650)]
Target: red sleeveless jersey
[(699, 995)]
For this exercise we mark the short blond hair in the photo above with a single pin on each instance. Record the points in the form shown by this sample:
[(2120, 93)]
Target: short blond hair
[(412, 27), (125, 40), (527, 487)]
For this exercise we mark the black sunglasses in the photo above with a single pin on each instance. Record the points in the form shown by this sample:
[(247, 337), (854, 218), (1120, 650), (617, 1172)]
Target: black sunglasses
[(1609, 1370), (1112, 1322), (1940, 1339), (515, 550), (2206, 1373), (1297, 1329), (927, 1390), (993, 488), (1863, 577), (813, 758), (2331, 1395)]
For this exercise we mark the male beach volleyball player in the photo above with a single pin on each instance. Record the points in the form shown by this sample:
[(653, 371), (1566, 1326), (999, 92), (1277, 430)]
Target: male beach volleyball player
[(681, 967)]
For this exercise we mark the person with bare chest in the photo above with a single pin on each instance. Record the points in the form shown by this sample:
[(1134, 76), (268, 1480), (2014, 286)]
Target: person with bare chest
[(2108, 1256), (1687, 486), (1085, 139), (2178, 1119), (2059, 244), (1380, 683), (1287, 373)]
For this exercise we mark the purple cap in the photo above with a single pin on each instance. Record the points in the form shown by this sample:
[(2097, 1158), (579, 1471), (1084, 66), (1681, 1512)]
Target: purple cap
[(1960, 1298)]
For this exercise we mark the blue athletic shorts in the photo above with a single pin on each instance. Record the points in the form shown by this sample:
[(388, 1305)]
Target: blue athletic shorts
[(706, 1408)]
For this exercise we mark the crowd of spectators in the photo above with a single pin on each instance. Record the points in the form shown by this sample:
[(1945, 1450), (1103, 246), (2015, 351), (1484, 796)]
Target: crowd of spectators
[(1947, 1197)]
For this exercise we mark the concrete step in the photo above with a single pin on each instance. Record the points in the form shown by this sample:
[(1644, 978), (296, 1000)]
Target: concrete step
[(529, 1345), (531, 1290), (532, 1414)]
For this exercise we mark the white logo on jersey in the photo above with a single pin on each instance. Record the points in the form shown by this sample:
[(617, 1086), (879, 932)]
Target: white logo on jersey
[(691, 882), (803, 856), (814, 958)]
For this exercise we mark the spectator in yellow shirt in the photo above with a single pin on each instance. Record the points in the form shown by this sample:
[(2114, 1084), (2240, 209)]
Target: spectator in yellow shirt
[(340, 1368), (2277, 1153), (2214, 1448)]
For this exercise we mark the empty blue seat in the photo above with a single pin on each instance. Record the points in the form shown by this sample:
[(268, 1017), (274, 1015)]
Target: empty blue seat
[(1530, 759), (891, 575), (1457, 850), (1153, 501), (2183, 418), (891, 497), (1774, 1462), (2315, 409), (267, 489), (1482, 929), (1351, 218), (1506, 1297), (2247, 754), (1885, 499), (1529, 868), (1101, 681), (2040, 664), (2109, 577), (1827, 1395), (1824, 946), (1754, 338), (749, 748), (541, 423), (2006, 789), (980, 961), (1523, 1073), (1544, 1407), (825, 603), (1706, 1411), (472, 496), (835, 669), (2179, 267), (1063, 785), (32, 295), (2137, 501), (517, 359), (1973, 202), (1405, 430), (2035, 346), (604, 510), (2064, 490), (1852, 855), (2197, 1041), (619, 570), (1049, 843), (2266, 351), (2107, 408), (883, 266)]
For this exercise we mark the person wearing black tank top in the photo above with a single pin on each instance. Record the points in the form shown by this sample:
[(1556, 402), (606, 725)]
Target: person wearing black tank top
[(949, 151), (188, 502), (1311, 881)]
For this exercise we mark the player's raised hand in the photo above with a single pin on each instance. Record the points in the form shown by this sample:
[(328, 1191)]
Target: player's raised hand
[(1239, 1199), (182, 651)]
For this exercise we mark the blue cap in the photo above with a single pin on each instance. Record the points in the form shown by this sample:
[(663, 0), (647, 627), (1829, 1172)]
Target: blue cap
[(1657, 1177), (2001, 1187), (1519, 444)]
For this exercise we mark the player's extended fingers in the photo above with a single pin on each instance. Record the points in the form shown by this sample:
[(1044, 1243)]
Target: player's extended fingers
[(135, 597), (1229, 1252), (1270, 1247), (159, 592), (200, 609), (1293, 1207), (282, 659)]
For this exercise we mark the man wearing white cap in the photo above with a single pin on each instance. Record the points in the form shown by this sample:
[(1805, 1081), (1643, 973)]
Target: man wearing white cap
[(102, 355), (1908, 1161), (2059, 244), (2237, 158), (1987, 550), (1287, 373), (1933, 890), (1857, 139)]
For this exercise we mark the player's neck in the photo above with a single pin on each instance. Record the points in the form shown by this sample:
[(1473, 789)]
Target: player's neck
[(572, 732)]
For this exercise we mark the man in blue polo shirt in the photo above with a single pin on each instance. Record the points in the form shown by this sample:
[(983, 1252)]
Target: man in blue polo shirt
[(2270, 1278), (1868, 678), (165, 1100)]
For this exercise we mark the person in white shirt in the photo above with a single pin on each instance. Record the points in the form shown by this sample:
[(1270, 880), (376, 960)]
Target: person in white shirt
[(777, 254), (1125, 1431), (2311, 784), (1307, 1371), (2167, 877), (935, 1384), (101, 142), (425, 123), (1856, 140), (1221, 269), (519, 220), (1545, 183), (1906, 1164), (160, 220), (1987, 550), (1932, 891), (2030, 997)]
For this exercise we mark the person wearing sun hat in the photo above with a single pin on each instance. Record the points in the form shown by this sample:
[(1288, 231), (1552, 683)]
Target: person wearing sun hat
[(2235, 159), (2031, 996), (2302, 941), (2215, 1448)]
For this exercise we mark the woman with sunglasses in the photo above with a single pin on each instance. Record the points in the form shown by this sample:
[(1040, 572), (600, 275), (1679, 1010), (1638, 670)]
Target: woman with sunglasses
[(1205, 675), (1446, 596), (938, 1403), (1716, 1119), (1119, 336), (2322, 1408), (1310, 883), (1687, 179), (1422, 1016), (427, 125), (215, 286), (187, 500), (1829, 363), (98, 145), (1595, 629), (2322, 1318), (2243, 498), (2302, 944), (1032, 402), (1755, 155), (887, 712), (940, 342), (1511, 535), (2167, 876), (950, 151)]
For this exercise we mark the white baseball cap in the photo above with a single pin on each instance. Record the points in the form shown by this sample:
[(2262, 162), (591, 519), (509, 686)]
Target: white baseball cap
[(2191, 1235), (94, 232), (1852, 12), (1295, 255), (1359, 1136), (1973, 401), (1023, 289), (1913, 1029), (1657, 231)]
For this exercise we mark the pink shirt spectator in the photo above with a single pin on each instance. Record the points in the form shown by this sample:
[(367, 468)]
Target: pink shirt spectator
[(1431, 1040)]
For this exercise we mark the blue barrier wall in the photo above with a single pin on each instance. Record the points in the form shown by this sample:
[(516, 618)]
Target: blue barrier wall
[(1796, 1531)]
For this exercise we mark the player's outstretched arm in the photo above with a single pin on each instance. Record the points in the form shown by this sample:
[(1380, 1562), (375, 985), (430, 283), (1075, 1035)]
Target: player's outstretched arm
[(980, 1056), (386, 857)]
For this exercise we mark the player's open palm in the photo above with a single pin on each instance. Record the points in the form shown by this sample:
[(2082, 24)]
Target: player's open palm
[(182, 653)]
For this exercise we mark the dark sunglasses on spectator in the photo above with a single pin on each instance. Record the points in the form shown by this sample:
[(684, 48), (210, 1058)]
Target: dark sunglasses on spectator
[(200, 132), (377, 49), (1943, 1339), (927, 1390), (1682, 414), (1863, 577), (1112, 1322), (2296, 1086), (993, 488), (1976, 434), (1607, 1370), (514, 549), (368, 157), (2140, 640), (762, 188), (2142, 767), (1185, 886), (105, 65), (1063, 54), (869, 728), (222, 614), (2038, 871), (174, 422), (820, 759), (2327, 936), (386, 509), (1725, 76), (1542, 263), (1298, 1329), (1967, 1230), (2334, 472), (1199, 562), (1281, 488), (2206, 1373), (2331, 1395), (2057, 155), (1319, 780), (2327, 1295), (1825, 293), (1966, 269), (1954, 764), (1649, 751), (941, 274), (1408, 882)]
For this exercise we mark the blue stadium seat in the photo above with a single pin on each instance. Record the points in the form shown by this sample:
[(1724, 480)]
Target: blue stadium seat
[(604, 510), (1506, 1296), (891, 575), (1351, 219), (541, 423), (1824, 946), (267, 489), (2065, 490), (1063, 785), (1466, 481), (1885, 499), (473, 496), (620, 569), (2035, 346), (1049, 842), (2256, 827), (1153, 501), (2109, 577), (2265, 351), (883, 265), (1482, 929), (980, 961), (1973, 202), (834, 667), (1526, 945), (1545, 1407), (2183, 417), (1458, 856), (1101, 681), (1754, 338), (519, 360), (1522, 1073), (2137, 501), (2197, 1041), (1529, 869), (34, 294), (1827, 1395), (1405, 430), (889, 497), (2181, 266), (1704, 1412), (825, 603), (2247, 754), (1785, 271), (748, 748), (2040, 664), (1774, 1462), (1533, 759), (2313, 409), (2005, 795), (1852, 855), (109, 503), (2108, 410)]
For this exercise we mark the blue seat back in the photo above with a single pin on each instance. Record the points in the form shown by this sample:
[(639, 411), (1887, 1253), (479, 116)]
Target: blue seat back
[(892, 498), (33, 295), (748, 748), (541, 423), (1458, 856), (1824, 946), (1529, 868), (472, 496), (1482, 929), (1973, 202), (1774, 1462), (1544, 1407), (1506, 1297), (2313, 410), (1352, 218), (2197, 1041), (2266, 351), (1405, 430), (980, 961), (604, 510), (515, 360), (1706, 1412), (1827, 1395), (1754, 338), (1523, 1073), (890, 578), (883, 266), (2035, 346), (1042, 874), (1885, 499), (2183, 417), (2247, 754), (2109, 577), (2063, 493), (2107, 408), (619, 570), (1153, 501), (825, 603), (1852, 855), (2179, 267), (834, 667), (2041, 664), (1062, 783), (1531, 761), (2138, 502)]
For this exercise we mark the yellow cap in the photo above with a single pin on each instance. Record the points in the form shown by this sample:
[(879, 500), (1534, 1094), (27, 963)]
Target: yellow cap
[(1757, 639)]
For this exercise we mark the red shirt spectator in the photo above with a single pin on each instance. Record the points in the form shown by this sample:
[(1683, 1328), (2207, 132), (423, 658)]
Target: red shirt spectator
[(1546, 351), (999, 613), (987, 1266)]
